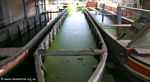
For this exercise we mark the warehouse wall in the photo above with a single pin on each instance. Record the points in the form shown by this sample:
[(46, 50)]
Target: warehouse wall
[(146, 4), (16, 10), (4, 13), (13, 10)]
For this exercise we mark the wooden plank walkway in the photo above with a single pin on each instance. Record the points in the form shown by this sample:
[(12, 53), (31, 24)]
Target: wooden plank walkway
[(91, 52)]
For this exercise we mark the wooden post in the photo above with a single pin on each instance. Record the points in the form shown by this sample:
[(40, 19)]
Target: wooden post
[(119, 19), (103, 11), (39, 71), (50, 39), (47, 16)]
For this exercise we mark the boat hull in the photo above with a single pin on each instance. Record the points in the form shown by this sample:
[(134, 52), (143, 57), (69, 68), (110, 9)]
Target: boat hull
[(15, 60), (118, 53), (96, 76)]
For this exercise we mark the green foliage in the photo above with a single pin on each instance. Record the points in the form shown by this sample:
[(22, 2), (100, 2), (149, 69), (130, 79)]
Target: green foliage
[(80, 7)]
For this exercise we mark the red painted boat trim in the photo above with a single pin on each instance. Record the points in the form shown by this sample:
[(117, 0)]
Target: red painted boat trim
[(130, 50), (10, 65), (90, 5), (138, 68)]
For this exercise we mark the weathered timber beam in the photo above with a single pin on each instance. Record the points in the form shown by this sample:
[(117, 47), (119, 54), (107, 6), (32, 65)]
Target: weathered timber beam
[(137, 9), (52, 11), (91, 52), (118, 25), (142, 51)]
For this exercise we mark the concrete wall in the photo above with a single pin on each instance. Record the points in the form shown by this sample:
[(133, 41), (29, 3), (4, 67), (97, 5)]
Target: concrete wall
[(16, 25), (31, 7), (146, 4), (18, 28), (16, 10), (4, 13), (13, 10)]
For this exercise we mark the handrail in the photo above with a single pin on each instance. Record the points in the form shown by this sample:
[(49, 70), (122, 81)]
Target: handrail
[(128, 12), (137, 9), (132, 8), (15, 21), (44, 31), (118, 25)]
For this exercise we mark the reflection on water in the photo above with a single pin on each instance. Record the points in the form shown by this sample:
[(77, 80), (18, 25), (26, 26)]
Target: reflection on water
[(106, 21)]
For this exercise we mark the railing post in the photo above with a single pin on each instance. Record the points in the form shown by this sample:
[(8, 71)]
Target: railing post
[(25, 9), (50, 14), (119, 19), (96, 5), (103, 11)]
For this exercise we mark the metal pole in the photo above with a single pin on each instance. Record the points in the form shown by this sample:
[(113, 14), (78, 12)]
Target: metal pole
[(119, 19), (25, 9), (36, 7), (44, 6), (119, 14), (45, 14), (103, 11), (50, 14), (96, 5)]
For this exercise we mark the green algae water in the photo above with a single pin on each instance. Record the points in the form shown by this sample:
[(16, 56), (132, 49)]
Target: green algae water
[(69, 68), (111, 21), (74, 35)]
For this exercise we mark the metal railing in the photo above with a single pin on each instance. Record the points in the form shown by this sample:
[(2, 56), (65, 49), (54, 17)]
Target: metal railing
[(9, 63), (129, 12)]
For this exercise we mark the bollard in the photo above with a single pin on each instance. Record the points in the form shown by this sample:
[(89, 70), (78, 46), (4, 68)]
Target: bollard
[(119, 14), (119, 19), (103, 11)]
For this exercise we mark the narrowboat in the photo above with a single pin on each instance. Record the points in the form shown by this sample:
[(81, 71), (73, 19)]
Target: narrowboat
[(130, 50), (20, 21), (43, 53), (12, 56), (91, 4)]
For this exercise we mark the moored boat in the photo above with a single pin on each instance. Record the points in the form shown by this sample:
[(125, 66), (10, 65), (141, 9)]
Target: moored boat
[(42, 52), (12, 57), (91, 4), (12, 54), (131, 50)]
